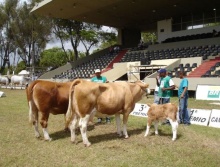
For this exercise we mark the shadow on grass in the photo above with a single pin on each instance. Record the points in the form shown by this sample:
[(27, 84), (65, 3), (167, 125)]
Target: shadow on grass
[(112, 136), (165, 134), (62, 134)]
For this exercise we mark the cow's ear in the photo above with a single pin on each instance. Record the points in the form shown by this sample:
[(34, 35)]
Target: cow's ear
[(142, 84)]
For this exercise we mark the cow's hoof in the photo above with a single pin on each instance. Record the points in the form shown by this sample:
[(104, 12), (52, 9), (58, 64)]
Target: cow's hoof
[(173, 139), (87, 144), (126, 137), (49, 139), (37, 136)]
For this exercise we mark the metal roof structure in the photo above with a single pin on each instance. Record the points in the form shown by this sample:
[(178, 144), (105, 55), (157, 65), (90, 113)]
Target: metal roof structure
[(138, 14)]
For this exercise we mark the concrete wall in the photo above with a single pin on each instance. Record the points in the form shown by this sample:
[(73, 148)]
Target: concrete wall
[(164, 29), (166, 25)]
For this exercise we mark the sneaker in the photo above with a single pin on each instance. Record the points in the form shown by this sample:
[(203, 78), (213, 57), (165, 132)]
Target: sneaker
[(99, 120), (108, 120)]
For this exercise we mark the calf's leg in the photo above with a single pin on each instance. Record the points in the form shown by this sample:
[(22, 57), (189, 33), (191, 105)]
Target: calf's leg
[(174, 125), (149, 122), (156, 127)]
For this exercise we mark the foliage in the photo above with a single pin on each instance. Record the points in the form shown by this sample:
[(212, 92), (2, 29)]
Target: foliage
[(21, 66), (22, 31), (53, 58), (149, 37)]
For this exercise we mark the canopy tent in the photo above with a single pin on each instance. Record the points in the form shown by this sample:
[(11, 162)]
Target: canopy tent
[(24, 72)]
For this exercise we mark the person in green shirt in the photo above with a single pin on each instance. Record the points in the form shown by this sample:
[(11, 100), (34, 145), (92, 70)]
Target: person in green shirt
[(166, 87), (100, 79)]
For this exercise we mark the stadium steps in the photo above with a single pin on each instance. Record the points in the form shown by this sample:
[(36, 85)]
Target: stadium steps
[(117, 58), (203, 68)]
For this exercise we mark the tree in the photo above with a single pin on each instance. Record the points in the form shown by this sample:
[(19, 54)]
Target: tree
[(107, 39), (149, 37), (68, 30), (53, 58), (31, 33), (7, 15)]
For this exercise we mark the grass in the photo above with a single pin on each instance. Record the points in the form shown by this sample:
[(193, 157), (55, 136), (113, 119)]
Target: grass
[(195, 146)]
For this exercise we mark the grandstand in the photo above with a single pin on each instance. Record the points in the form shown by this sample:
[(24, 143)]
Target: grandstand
[(196, 51)]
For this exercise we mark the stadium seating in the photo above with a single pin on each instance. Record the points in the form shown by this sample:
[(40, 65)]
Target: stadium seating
[(191, 37), (86, 70)]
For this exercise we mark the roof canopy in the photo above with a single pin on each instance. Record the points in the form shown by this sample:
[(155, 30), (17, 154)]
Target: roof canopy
[(141, 14)]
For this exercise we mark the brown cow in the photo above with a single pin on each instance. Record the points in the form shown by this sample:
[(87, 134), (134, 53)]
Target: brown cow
[(162, 112), (46, 97), (107, 98)]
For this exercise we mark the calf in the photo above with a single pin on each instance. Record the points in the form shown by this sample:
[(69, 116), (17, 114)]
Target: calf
[(107, 98), (162, 112), (46, 97)]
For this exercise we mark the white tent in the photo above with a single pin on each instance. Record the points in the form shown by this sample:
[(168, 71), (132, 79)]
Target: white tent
[(2, 94), (23, 72)]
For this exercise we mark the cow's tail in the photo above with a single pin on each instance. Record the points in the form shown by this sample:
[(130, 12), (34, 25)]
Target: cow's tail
[(71, 109), (33, 113)]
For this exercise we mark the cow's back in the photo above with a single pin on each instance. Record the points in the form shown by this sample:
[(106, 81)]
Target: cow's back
[(50, 96), (107, 98)]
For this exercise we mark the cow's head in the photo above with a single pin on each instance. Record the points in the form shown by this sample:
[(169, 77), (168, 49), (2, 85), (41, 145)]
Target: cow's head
[(139, 89)]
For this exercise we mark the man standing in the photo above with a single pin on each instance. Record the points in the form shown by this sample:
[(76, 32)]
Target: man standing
[(156, 97), (100, 79), (166, 87), (183, 99)]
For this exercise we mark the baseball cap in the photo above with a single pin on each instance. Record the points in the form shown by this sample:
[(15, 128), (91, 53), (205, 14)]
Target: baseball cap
[(162, 70), (97, 70)]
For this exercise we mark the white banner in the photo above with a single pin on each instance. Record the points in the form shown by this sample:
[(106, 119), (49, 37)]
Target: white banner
[(140, 110), (207, 92), (215, 119), (199, 116), (2, 94)]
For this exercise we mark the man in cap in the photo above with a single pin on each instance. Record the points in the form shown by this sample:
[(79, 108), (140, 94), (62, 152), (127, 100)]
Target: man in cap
[(165, 88), (100, 79)]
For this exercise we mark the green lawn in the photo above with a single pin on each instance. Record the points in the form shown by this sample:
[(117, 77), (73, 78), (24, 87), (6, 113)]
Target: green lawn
[(195, 146)]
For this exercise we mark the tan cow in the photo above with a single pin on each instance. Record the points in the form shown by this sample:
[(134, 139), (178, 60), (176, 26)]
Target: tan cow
[(162, 112), (46, 97), (107, 98)]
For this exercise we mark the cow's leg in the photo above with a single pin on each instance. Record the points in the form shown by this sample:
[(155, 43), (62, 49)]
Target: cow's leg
[(83, 128), (125, 120), (149, 122), (73, 129), (66, 126), (156, 127), (118, 123), (33, 118), (174, 125), (43, 122)]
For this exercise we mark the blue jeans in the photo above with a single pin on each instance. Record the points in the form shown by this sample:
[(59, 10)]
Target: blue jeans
[(183, 112), (156, 97), (164, 100)]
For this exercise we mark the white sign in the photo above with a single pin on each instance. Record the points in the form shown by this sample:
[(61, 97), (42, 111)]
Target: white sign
[(215, 119), (199, 117), (208, 92), (140, 110), (2, 94)]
